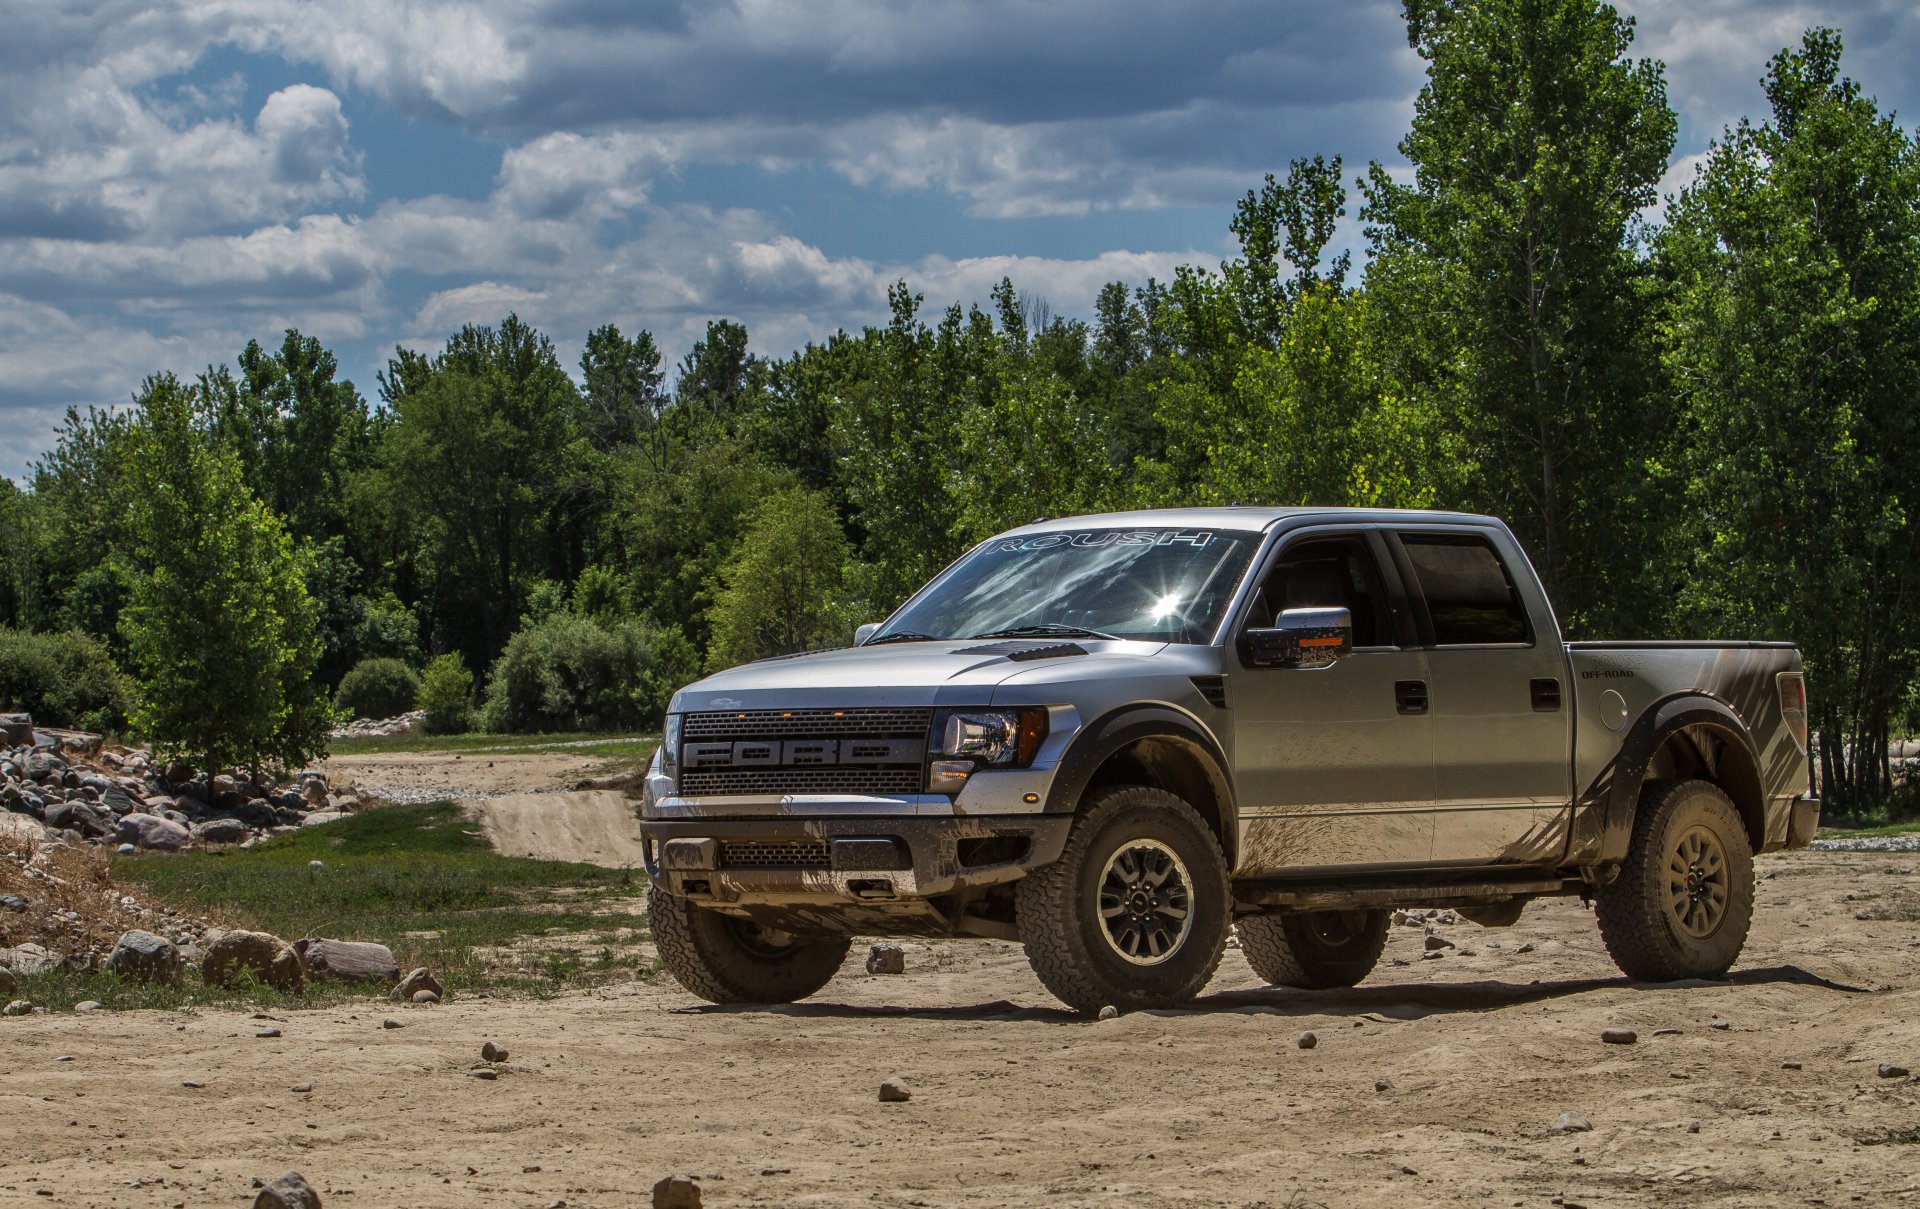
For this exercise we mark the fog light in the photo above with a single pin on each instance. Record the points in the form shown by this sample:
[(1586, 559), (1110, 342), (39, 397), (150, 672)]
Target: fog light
[(948, 776)]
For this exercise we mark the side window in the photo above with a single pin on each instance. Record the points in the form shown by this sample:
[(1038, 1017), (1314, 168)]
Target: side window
[(1470, 596), (1335, 572)]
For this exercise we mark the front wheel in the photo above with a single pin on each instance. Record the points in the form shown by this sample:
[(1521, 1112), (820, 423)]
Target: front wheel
[(1683, 901), (1314, 950), (1134, 914), (723, 959)]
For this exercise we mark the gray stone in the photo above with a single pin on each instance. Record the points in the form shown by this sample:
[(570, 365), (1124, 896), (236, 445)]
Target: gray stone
[(24, 829), (314, 790), (152, 831), (1109, 1012), (87, 1006), (19, 1007), (390, 1022), (1383, 1085), (1438, 942), (886, 959), (290, 1191), (893, 1091), (420, 979), (18, 728), (424, 996), (271, 960), (1306, 1040), (484, 1072), (144, 957), (1571, 1122), (1619, 1036), (492, 1053), (78, 814), (1889, 1070), (28, 960), (347, 960), (221, 831), (677, 1192), (319, 818)]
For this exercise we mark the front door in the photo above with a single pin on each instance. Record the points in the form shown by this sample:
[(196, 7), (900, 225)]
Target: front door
[(1502, 709), (1334, 765)]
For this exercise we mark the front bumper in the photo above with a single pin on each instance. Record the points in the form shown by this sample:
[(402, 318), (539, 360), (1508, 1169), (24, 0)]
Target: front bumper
[(876, 862)]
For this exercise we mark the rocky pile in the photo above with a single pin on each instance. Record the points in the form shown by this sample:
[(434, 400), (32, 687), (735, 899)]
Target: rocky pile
[(72, 785), (380, 728)]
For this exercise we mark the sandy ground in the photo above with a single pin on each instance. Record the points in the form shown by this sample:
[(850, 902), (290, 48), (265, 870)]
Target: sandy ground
[(1018, 1103), (594, 826), (427, 776)]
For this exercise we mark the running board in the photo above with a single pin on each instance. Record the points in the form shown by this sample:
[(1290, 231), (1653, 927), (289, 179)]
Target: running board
[(1455, 894)]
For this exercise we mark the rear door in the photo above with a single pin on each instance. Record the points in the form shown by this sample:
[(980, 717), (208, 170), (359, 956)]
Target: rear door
[(1501, 706), (1334, 765)]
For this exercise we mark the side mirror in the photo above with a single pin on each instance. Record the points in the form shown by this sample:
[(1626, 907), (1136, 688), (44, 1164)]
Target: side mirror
[(865, 632), (1301, 638)]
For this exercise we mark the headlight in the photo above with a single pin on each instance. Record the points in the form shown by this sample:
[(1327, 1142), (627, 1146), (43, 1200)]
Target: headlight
[(999, 738), (669, 756)]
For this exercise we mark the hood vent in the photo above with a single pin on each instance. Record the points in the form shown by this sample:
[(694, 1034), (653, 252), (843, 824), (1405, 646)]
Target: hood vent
[(1213, 688), (1021, 652)]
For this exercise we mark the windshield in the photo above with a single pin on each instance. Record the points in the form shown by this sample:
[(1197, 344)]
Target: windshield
[(1159, 585)]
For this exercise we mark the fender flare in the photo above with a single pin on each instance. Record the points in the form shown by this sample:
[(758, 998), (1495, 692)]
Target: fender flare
[(1615, 796), (1101, 739)]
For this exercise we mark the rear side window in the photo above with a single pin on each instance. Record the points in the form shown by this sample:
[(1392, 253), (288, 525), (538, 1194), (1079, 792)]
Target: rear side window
[(1469, 594)]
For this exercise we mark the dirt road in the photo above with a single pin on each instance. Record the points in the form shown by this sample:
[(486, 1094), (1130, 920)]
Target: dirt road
[(1017, 1103)]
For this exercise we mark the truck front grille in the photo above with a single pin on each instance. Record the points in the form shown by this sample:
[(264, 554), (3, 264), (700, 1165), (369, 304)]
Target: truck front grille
[(880, 752), (773, 854), (729, 782)]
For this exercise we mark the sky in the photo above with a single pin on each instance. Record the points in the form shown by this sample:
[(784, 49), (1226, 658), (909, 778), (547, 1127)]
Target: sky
[(177, 179)]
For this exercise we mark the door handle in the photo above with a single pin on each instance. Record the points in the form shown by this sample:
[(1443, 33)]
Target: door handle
[(1546, 695), (1410, 696)]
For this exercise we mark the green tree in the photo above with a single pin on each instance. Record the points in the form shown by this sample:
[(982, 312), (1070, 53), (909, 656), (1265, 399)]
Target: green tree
[(220, 626), (1536, 142), (622, 380), (1792, 333), (785, 588), (446, 694)]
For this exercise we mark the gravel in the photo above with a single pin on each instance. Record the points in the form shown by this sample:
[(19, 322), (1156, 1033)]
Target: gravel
[(1870, 843)]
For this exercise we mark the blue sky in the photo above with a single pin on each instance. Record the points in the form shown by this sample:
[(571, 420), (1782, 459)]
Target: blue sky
[(177, 179)]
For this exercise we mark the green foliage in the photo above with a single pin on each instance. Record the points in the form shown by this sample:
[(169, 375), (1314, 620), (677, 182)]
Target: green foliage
[(785, 589), (377, 688), (63, 679), (219, 622), (446, 694), (572, 673), (1792, 333)]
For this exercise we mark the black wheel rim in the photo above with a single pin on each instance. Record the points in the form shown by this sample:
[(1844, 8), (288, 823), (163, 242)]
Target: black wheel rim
[(1698, 882), (759, 941), (1145, 902)]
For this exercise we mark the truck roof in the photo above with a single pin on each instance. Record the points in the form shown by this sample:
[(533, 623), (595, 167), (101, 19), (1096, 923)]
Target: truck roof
[(1248, 518)]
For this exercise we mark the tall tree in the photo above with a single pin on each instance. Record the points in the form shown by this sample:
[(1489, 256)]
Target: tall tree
[(623, 381), (1535, 143), (1793, 334), (220, 625)]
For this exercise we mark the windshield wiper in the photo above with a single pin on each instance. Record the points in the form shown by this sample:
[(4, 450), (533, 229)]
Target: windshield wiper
[(1048, 629), (900, 636)]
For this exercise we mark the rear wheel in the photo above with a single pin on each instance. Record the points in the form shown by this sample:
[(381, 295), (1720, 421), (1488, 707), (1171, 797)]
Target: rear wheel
[(1683, 901), (724, 959), (1314, 950), (1134, 913)]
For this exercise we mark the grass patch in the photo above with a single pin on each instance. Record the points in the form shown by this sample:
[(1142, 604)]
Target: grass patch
[(419, 879), (1892, 1137), (1841, 831), (626, 748)]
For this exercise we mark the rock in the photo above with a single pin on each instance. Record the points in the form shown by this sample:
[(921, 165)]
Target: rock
[(301, 1088), (1890, 1071), (221, 831), (1109, 1012), (1306, 1040), (1383, 1085), (12, 902), (126, 850), (1789, 1066), (492, 1053), (390, 1022), (886, 959), (347, 960), (677, 1192), (424, 996), (78, 814), (893, 1091), (1721, 1025), (271, 960), (314, 790), (1437, 942), (24, 829), (290, 1191), (19, 1007), (28, 960), (144, 957), (18, 728), (320, 818), (1571, 1122), (1619, 1036), (87, 1007), (267, 1034), (152, 831), (484, 1072), (1525, 948), (420, 979)]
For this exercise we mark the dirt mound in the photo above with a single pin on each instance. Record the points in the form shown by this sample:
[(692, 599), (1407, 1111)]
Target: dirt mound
[(59, 903), (593, 826)]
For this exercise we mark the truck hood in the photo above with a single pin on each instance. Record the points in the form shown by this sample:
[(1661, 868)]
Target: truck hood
[(952, 672)]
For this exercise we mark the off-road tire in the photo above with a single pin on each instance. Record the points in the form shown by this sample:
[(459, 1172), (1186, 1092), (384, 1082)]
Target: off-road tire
[(1314, 950), (1069, 943), (715, 956), (1689, 846)]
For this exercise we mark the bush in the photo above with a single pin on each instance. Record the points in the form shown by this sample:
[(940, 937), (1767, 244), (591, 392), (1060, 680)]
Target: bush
[(785, 587), (446, 693), (570, 673), (378, 688), (66, 680)]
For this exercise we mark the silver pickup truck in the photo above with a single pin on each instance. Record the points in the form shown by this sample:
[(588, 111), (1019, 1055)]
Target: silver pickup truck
[(1112, 738)]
